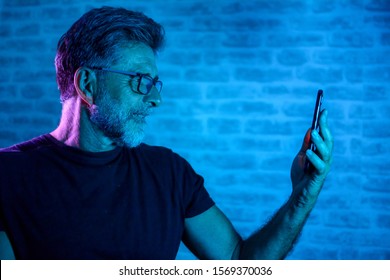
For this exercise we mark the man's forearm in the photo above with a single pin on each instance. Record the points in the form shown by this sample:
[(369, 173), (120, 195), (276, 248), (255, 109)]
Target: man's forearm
[(277, 237)]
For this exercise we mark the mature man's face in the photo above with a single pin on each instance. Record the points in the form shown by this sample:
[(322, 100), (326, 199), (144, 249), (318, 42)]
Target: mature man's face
[(118, 111)]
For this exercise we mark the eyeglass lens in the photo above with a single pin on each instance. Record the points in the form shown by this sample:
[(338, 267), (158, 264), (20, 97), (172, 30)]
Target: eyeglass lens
[(146, 83)]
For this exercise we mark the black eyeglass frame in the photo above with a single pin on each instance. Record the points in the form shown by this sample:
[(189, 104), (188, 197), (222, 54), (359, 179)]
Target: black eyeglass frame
[(155, 82)]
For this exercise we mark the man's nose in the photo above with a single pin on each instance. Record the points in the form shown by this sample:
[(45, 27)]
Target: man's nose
[(153, 98)]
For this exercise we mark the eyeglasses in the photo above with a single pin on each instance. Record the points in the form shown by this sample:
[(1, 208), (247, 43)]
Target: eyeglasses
[(143, 83)]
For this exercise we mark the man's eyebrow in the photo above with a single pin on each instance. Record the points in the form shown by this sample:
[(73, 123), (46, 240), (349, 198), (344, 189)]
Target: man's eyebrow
[(138, 70)]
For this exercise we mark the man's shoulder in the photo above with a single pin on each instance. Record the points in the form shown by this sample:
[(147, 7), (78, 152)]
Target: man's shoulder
[(146, 148), (159, 153), (27, 146)]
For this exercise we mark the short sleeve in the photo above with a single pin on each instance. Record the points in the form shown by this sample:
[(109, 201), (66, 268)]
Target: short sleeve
[(196, 197)]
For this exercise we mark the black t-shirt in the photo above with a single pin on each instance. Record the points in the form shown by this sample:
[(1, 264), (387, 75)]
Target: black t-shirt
[(59, 202)]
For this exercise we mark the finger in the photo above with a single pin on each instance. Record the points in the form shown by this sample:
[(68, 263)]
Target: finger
[(323, 150), (315, 160), (325, 131)]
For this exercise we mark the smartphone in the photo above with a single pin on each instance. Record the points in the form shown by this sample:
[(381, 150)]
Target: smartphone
[(315, 122)]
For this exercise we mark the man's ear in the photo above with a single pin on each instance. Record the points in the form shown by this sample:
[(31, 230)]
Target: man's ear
[(85, 84)]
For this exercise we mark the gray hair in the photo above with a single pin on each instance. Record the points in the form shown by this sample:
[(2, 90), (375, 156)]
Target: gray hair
[(93, 40)]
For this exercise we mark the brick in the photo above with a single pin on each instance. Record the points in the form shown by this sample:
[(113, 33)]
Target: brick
[(15, 14), (302, 40), (354, 75), (48, 13), (378, 166), (192, 9), (223, 126), (320, 75), (379, 6), (50, 107), (199, 39), (378, 183), (254, 144), (14, 106), (254, 24), (378, 21), (262, 75), (375, 148), (232, 8), (53, 30), (26, 45), (348, 237), (385, 39), (188, 125), (376, 74), (207, 75), (292, 57), (205, 143), (231, 91), (7, 137), (197, 108), (206, 24), (315, 23), (312, 252), (374, 129), (11, 92), (348, 219), (214, 57), (183, 58), (179, 90), (354, 57), (268, 127), (275, 90), (36, 76), (228, 161), (32, 91), (362, 112), (323, 6), (238, 57), (247, 108), (383, 221), (334, 201), (259, 58), (372, 93), (16, 3), (298, 109), (374, 254), (242, 40), (28, 30), (346, 93), (376, 202), (278, 6), (34, 121), (347, 164), (276, 163), (351, 40), (4, 76), (5, 31), (10, 61), (348, 253)]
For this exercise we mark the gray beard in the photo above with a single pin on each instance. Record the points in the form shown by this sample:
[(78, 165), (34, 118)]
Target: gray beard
[(123, 128)]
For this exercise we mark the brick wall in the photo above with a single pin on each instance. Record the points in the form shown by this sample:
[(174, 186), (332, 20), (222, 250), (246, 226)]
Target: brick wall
[(240, 82)]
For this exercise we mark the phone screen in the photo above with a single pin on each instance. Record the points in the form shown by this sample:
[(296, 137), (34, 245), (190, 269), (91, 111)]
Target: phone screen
[(315, 123)]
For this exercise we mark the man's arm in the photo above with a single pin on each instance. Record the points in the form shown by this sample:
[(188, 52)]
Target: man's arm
[(211, 235), (6, 252)]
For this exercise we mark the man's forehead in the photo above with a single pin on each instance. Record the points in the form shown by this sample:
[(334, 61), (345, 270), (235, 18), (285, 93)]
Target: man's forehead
[(137, 57)]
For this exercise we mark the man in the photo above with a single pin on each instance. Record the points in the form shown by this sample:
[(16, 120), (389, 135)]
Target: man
[(91, 190)]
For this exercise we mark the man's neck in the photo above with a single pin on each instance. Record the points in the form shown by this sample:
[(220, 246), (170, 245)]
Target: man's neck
[(76, 130)]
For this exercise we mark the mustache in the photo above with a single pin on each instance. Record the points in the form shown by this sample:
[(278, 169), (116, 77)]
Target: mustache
[(141, 112)]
